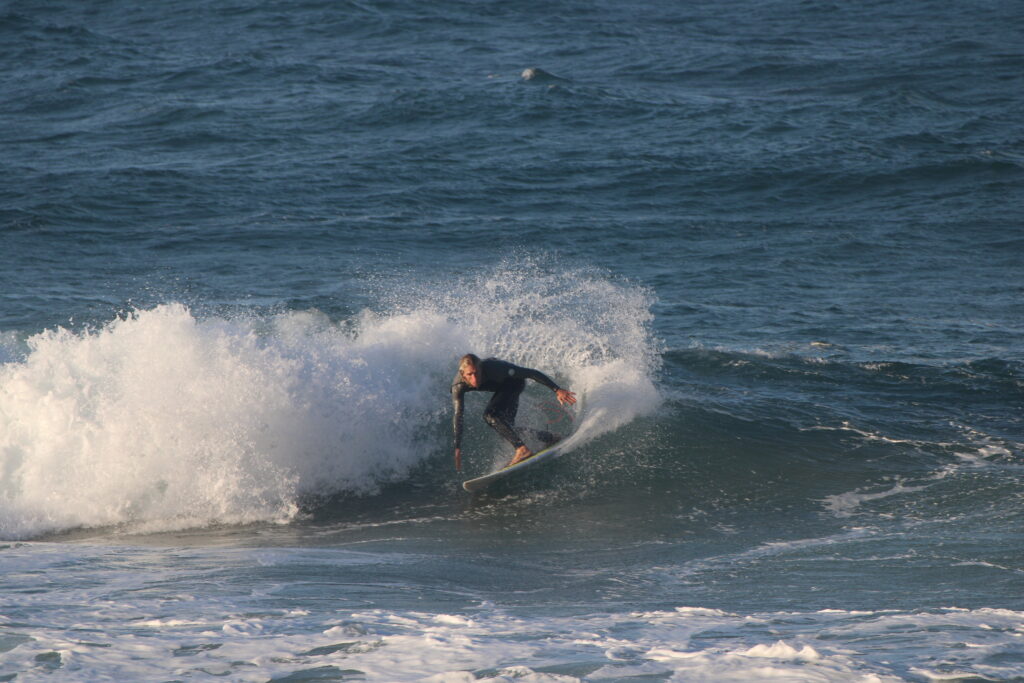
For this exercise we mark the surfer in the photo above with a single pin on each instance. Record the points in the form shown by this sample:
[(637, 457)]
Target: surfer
[(507, 381)]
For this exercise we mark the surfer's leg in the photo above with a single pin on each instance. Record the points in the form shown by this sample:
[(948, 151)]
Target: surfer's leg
[(500, 412), (547, 438)]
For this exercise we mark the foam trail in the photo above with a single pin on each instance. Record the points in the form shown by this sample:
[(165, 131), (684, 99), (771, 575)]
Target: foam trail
[(162, 420)]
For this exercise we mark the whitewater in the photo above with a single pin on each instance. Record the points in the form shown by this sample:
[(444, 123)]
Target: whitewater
[(161, 420)]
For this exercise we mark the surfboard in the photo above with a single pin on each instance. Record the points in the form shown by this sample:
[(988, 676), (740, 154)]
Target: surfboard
[(480, 483)]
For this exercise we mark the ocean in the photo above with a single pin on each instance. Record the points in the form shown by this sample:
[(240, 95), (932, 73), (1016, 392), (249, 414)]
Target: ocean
[(776, 248)]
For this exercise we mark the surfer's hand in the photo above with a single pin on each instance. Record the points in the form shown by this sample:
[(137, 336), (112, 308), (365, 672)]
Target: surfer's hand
[(458, 459), (566, 397)]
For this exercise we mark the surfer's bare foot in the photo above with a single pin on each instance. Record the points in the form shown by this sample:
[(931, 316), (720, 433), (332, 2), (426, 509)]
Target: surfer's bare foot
[(522, 453)]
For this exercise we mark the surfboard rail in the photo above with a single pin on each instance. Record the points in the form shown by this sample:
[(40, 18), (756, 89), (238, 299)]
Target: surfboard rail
[(480, 483)]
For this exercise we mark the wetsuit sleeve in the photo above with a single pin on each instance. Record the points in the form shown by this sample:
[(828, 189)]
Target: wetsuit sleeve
[(537, 376), (457, 393)]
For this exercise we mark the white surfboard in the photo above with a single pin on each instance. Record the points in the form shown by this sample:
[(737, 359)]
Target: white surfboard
[(480, 483), (564, 420)]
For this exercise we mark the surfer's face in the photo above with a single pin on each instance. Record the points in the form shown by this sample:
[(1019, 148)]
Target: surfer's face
[(471, 375)]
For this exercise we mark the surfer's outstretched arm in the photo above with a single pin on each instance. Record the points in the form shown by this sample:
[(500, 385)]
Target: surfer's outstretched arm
[(564, 395)]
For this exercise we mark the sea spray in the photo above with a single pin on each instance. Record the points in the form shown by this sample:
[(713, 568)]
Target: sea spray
[(590, 332)]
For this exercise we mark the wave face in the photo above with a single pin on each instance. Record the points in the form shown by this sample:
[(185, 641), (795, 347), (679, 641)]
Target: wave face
[(164, 419)]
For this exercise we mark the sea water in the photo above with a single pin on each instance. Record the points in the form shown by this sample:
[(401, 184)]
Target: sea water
[(774, 247)]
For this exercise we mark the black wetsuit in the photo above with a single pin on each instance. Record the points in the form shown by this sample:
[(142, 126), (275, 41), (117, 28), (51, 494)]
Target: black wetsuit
[(507, 381)]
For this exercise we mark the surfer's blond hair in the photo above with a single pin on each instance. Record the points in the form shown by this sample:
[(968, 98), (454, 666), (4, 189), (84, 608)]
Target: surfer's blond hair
[(469, 359)]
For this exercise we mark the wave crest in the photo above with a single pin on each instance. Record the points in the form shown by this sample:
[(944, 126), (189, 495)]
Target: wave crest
[(164, 420)]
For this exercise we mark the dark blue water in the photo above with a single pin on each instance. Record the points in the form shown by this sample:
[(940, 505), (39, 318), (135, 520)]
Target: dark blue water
[(775, 247)]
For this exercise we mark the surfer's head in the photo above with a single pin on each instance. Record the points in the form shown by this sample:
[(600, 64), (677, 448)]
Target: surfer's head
[(469, 367)]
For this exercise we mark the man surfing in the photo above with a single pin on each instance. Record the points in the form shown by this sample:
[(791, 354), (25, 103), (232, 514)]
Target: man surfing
[(507, 381)]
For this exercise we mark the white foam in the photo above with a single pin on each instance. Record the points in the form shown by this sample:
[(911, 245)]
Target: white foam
[(163, 419), (846, 504), (984, 455), (783, 651), (134, 614), (866, 435)]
